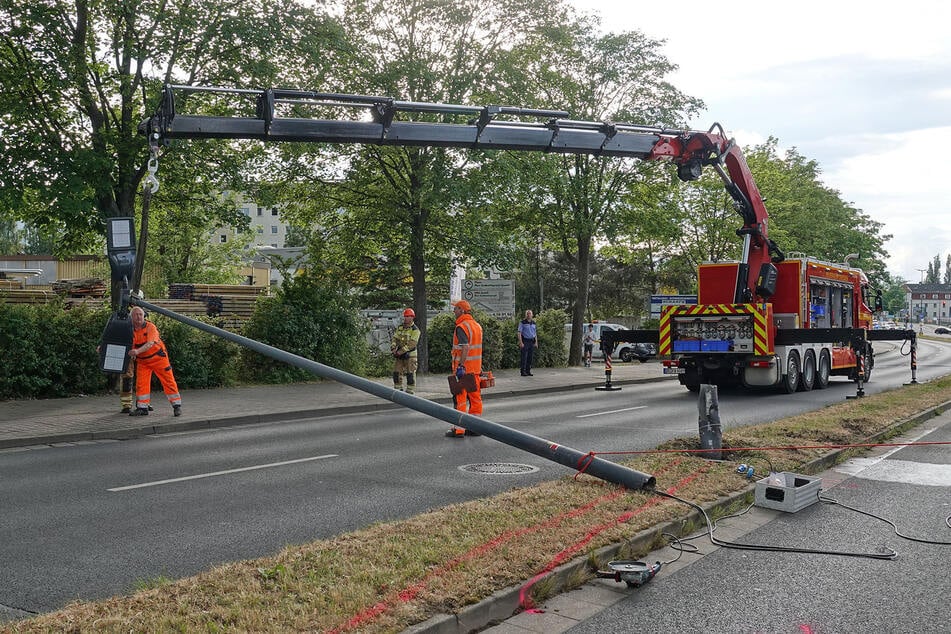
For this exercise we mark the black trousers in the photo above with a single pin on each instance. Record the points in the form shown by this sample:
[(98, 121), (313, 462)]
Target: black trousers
[(528, 353)]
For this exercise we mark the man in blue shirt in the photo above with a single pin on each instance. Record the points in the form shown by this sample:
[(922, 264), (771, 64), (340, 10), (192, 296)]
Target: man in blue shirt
[(527, 341)]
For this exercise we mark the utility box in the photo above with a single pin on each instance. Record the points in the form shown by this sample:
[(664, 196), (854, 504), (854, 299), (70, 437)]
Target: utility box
[(789, 492)]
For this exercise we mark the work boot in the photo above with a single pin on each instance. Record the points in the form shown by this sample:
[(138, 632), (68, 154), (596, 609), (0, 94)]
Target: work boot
[(469, 432), (139, 411), (176, 410), (456, 432), (126, 410)]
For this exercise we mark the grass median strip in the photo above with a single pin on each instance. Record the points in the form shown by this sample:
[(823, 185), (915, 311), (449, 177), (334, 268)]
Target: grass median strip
[(389, 576)]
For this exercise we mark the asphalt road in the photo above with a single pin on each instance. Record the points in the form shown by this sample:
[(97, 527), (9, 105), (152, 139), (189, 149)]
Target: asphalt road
[(92, 520), (729, 591)]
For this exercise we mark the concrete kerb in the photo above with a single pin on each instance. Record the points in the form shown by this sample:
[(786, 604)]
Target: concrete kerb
[(504, 604)]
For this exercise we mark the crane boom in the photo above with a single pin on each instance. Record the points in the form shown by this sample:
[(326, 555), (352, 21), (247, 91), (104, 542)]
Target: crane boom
[(375, 120)]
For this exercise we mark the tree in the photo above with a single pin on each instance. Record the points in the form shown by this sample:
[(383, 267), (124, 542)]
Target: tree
[(614, 77), (807, 216), (947, 270), (403, 208), (78, 77), (934, 271)]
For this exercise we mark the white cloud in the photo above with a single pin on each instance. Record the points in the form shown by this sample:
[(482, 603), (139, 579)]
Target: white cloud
[(861, 88)]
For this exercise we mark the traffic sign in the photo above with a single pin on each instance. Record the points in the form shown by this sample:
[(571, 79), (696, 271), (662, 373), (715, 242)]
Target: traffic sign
[(496, 297)]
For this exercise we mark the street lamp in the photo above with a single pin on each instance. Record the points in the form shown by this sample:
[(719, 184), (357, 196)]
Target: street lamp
[(117, 336)]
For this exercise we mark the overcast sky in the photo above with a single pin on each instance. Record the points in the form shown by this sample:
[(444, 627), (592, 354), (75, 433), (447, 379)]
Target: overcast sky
[(862, 88)]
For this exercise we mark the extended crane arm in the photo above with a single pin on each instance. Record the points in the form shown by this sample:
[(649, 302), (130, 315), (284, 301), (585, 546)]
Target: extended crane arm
[(486, 128)]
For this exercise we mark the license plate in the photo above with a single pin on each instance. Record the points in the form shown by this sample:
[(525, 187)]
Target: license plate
[(675, 370)]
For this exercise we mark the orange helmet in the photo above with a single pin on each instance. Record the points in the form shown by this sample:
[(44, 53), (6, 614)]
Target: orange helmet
[(409, 312)]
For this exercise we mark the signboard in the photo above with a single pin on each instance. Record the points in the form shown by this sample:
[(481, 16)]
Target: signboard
[(496, 297), (659, 301)]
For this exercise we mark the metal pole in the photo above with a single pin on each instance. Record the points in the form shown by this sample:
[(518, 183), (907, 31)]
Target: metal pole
[(607, 387), (709, 422), (914, 359), (571, 458)]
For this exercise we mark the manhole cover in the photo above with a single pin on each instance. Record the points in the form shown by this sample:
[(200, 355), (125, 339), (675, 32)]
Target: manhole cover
[(499, 468)]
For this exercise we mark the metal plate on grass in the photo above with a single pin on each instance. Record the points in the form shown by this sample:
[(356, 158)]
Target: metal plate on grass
[(498, 468)]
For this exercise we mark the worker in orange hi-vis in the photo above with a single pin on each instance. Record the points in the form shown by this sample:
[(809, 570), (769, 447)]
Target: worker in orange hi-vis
[(466, 359), (150, 355)]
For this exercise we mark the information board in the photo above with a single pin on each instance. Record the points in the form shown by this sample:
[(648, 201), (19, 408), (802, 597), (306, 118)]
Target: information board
[(496, 297)]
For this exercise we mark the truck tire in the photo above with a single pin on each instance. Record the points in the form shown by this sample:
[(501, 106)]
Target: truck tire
[(627, 355), (807, 379), (823, 370), (790, 380)]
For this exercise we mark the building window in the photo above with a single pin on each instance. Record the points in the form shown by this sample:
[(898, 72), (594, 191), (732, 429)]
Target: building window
[(260, 229), (222, 238), (260, 211), (273, 211), (246, 211), (273, 228)]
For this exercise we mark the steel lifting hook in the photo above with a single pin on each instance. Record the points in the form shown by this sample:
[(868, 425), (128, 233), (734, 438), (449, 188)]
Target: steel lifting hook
[(151, 182)]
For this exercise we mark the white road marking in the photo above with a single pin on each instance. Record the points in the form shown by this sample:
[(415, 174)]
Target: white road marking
[(613, 411), (902, 471), (906, 472), (218, 473)]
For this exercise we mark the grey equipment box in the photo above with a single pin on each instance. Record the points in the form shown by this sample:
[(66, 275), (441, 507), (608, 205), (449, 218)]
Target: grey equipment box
[(789, 492)]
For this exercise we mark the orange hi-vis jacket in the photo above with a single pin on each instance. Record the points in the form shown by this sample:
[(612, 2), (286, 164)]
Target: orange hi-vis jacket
[(473, 361), (154, 360)]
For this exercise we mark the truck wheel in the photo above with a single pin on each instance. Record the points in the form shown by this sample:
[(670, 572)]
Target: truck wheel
[(790, 382), (823, 370), (626, 355), (808, 377)]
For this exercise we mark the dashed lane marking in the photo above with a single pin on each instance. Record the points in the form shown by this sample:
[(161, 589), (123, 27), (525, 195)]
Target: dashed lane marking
[(219, 473), (613, 411)]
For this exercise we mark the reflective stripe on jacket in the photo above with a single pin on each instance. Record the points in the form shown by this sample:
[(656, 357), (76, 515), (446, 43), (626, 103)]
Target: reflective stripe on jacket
[(473, 361)]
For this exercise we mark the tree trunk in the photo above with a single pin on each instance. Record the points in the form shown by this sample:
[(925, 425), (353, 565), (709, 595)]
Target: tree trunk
[(417, 267), (582, 268)]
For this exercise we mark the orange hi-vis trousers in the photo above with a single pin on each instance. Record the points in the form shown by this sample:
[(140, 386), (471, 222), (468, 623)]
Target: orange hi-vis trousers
[(157, 363), (474, 398)]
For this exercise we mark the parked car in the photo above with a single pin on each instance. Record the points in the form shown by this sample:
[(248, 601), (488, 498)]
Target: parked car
[(624, 351), (941, 330)]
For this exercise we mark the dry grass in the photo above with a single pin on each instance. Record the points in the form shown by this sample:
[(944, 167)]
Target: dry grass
[(389, 576)]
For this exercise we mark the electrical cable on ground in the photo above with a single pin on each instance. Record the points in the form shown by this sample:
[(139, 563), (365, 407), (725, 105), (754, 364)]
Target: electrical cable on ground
[(889, 522), (693, 548), (887, 554)]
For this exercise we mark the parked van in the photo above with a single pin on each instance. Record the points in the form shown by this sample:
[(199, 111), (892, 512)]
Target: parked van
[(624, 351)]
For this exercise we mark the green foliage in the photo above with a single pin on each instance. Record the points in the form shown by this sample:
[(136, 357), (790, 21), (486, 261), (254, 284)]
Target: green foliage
[(500, 341), (199, 359), (48, 352), (311, 318), (379, 363), (440, 342), (551, 352)]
